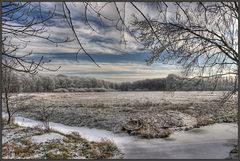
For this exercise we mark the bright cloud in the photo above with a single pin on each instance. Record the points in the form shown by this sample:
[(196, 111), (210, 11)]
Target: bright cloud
[(105, 41)]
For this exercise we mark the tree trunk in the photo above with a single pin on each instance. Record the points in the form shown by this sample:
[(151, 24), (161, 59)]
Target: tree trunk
[(7, 106)]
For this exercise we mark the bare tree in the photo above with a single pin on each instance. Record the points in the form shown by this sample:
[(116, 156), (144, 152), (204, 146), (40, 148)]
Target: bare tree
[(7, 75), (200, 36), (11, 106), (21, 21), (45, 114), (196, 35)]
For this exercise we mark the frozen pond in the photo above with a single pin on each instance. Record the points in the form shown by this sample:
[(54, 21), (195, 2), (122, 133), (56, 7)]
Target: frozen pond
[(212, 142)]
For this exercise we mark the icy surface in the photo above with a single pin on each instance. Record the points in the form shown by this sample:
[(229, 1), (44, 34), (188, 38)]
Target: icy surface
[(212, 142)]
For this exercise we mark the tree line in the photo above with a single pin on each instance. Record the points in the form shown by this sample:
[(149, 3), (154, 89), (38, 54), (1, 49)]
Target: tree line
[(62, 83)]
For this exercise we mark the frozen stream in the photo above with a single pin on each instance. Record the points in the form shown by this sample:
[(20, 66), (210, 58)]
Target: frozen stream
[(213, 142)]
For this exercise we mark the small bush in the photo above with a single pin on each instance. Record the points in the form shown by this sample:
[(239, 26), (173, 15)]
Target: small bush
[(204, 122), (145, 129), (103, 149), (60, 90)]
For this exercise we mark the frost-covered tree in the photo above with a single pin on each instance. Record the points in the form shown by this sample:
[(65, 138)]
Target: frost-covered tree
[(200, 36)]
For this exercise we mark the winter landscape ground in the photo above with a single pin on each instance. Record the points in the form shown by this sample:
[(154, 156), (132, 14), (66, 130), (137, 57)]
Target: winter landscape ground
[(145, 116)]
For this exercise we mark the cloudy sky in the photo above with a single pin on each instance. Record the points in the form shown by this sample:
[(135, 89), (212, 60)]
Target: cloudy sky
[(118, 62)]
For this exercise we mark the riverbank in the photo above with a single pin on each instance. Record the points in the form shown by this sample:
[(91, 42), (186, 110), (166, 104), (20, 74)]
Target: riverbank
[(209, 142), (21, 142)]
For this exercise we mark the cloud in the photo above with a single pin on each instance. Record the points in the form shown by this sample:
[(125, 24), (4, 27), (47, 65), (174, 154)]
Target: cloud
[(117, 72), (118, 62), (105, 40), (127, 57)]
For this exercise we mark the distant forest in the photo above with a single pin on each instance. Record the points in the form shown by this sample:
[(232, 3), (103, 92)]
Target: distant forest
[(62, 83)]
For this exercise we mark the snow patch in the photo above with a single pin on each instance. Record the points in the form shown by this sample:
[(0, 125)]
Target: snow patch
[(46, 137)]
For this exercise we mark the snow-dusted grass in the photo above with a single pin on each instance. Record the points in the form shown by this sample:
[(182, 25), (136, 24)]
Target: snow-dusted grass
[(119, 98), (33, 142), (46, 137), (114, 110)]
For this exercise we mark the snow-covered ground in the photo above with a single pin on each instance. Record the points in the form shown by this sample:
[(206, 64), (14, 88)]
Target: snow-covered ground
[(212, 142), (113, 110), (128, 97), (46, 137)]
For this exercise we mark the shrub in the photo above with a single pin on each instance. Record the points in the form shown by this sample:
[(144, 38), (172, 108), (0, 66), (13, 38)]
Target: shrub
[(60, 90)]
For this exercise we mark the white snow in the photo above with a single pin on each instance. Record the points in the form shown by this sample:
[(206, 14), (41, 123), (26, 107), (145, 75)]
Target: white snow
[(90, 134), (46, 137), (9, 137)]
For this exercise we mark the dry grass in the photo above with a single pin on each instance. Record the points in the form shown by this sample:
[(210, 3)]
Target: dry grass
[(108, 110), (73, 146)]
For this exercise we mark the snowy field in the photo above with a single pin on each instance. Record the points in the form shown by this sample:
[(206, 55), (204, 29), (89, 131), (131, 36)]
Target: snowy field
[(112, 110), (121, 98)]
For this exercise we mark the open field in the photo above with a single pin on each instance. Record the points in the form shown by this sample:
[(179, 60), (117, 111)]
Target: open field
[(148, 114)]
